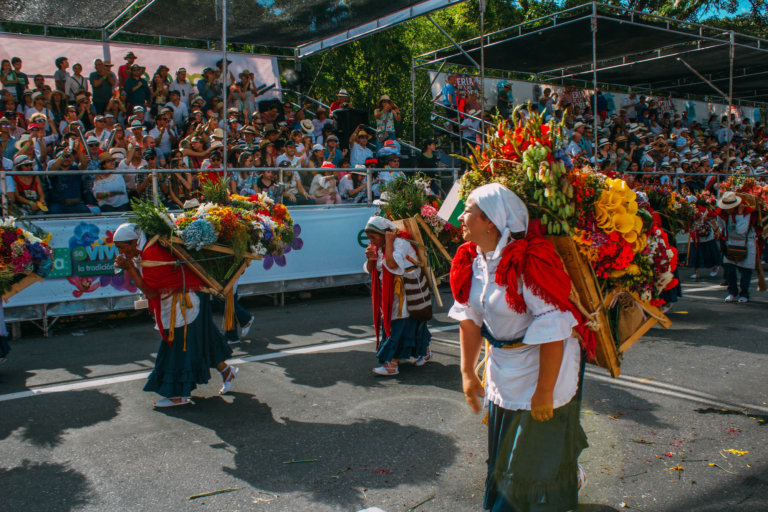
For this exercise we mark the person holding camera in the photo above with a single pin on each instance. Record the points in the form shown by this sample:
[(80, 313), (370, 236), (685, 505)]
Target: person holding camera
[(386, 114)]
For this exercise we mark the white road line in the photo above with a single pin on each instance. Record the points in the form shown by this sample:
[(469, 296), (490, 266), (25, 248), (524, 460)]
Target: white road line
[(105, 381), (625, 381), (707, 288)]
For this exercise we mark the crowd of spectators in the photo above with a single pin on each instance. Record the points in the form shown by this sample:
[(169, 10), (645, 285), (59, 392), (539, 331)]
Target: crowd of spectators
[(101, 120), (638, 140)]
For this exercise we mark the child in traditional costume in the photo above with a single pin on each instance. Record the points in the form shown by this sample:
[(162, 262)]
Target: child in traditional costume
[(511, 288), (705, 251), (392, 263), (191, 343)]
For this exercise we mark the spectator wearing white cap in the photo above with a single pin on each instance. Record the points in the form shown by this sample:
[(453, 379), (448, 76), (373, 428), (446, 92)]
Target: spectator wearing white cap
[(185, 88), (332, 153)]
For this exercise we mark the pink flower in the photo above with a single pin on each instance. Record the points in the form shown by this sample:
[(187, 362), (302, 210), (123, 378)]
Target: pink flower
[(428, 211)]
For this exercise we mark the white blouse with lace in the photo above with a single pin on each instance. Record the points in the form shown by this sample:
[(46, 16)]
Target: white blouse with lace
[(512, 374)]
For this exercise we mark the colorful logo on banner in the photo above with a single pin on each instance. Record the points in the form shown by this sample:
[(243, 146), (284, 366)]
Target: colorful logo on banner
[(92, 260)]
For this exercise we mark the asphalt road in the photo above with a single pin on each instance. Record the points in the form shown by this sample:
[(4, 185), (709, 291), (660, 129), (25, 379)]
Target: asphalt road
[(309, 428)]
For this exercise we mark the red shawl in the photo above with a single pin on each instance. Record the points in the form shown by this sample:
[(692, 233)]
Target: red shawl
[(535, 261), (165, 279), (382, 293)]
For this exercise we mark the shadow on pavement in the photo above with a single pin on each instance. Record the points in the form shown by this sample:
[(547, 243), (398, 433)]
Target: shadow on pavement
[(748, 493), (334, 463), (44, 486), (45, 423), (324, 369), (623, 403), (595, 508)]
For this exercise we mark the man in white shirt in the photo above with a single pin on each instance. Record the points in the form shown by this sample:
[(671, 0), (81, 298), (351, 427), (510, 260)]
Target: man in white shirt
[(574, 149), (179, 108), (165, 136), (181, 84), (290, 156), (358, 144), (628, 104)]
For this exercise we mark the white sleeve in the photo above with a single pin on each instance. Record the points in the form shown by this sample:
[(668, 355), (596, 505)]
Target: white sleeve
[(401, 250), (549, 323), (461, 312)]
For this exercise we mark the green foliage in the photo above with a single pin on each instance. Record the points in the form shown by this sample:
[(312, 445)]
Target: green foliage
[(215, 191), (405, 197), (146, 216)]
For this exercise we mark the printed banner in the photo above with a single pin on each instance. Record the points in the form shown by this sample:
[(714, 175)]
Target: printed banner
[(39, 53), (328, 242)]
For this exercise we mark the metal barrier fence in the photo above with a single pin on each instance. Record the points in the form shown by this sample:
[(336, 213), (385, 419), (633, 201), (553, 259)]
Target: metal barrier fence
[(369, 172)]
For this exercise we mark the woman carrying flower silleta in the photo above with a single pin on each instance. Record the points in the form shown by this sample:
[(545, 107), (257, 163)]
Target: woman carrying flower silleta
[(511, 288), (393, 265), (191, 343)]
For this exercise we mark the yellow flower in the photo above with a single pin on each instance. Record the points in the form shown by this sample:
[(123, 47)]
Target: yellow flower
[(633, 269), (623, 223)]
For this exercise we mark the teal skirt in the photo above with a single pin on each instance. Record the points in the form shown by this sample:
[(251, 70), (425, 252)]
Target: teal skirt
[(408, 338), (180, 367), (532, 465)]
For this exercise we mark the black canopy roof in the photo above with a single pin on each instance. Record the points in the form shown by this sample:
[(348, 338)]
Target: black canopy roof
[(306, 25), (633, 50)]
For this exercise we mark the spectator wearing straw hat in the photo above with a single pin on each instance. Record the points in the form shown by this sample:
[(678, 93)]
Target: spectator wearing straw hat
[(207, 87), (736, 221), (386, 114), (28, 196), (342, 99)]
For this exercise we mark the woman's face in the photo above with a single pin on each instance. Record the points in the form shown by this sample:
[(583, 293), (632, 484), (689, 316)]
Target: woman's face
[(6, 65), (376, 239), (475, 226), (248, 162), (128, 249)]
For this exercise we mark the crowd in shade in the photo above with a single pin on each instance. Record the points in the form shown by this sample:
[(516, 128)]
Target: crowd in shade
[(104, 119), (638, 139)]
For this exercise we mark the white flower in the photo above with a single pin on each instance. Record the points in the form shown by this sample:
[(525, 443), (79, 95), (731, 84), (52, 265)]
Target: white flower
[(264, 198), (204, 208), (8, 222), (259, 249)]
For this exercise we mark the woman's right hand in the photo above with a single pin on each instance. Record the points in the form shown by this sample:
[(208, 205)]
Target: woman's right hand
[(473, 390), (371, 253)]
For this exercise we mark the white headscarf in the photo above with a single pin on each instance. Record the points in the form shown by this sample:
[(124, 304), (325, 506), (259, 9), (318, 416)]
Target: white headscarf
[(379, 225), (128, 231), (502, 207), (125, 233)]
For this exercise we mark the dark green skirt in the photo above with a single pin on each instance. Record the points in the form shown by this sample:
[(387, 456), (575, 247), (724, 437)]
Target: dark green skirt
[(532, 465), (178, 371)]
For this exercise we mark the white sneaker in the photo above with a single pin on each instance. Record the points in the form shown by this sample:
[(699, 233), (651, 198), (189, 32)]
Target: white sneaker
[(229, 382), (730, 298), (694, 276), (666, 307), (173, 402), (423, 359), (714, 273), (387, 370), (582, 476), (233, 342), (247, 327), (743, 300)]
